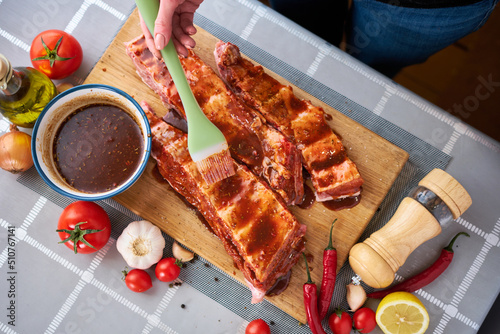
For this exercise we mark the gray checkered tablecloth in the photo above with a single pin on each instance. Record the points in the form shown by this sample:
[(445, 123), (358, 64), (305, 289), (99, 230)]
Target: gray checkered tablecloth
[(54, 291)]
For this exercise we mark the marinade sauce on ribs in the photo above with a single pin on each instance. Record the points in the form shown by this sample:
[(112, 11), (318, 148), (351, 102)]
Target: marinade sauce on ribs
[(333, 175), (267, 152), (255, 226)]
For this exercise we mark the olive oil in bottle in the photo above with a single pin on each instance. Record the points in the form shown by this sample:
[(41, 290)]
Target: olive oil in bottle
[(24, 92)]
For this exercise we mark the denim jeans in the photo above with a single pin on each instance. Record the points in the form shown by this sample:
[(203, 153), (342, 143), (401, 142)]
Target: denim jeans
[(388, 37), (385, 36), (324, 18)]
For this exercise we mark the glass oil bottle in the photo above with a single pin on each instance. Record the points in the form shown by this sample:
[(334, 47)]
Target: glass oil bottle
[(24, 92)]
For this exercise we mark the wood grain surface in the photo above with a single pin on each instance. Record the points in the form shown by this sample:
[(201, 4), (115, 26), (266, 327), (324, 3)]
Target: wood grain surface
[(379, 163)]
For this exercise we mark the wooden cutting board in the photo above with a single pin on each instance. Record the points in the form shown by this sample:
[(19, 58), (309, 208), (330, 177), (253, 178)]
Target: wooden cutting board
[(379, 163)]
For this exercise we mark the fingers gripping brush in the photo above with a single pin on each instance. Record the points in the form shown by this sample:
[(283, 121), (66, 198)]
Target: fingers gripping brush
[(206, 143)]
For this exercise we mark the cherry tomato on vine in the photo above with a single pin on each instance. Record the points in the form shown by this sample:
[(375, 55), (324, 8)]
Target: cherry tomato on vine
[(364, 320), (258, 326), (168, 269), (138, 280), (340, 322), (56, 53), (84, 227)]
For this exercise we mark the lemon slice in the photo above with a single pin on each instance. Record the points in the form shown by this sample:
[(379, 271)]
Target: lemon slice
[(402, 313)]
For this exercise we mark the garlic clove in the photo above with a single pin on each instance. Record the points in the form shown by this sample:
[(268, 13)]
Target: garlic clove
[(356, 296), (181, 253)]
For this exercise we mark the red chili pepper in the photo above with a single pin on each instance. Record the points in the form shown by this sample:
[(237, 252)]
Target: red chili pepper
[(329, 277), (425, 277), (311, 303)]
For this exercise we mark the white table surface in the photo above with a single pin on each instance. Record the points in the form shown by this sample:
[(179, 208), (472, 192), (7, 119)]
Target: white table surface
[(58, 292)]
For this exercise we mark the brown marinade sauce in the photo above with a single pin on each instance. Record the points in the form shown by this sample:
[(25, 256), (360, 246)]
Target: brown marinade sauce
[(280, 285), (334, 204), (341, 204), (97, 148)]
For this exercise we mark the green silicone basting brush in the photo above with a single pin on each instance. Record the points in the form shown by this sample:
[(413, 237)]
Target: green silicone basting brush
[(206, 143)]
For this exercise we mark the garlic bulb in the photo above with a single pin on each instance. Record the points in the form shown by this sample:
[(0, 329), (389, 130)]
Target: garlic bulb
[(141, 244), (356, 296)]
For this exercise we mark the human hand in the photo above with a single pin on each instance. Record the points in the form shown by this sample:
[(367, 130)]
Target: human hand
[(174, 20)]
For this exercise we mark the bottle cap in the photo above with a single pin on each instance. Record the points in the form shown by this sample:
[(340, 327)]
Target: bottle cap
[(449, 190), (5, 71)]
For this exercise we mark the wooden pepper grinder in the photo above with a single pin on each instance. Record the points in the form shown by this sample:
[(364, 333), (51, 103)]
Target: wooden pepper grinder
[(437, 200)]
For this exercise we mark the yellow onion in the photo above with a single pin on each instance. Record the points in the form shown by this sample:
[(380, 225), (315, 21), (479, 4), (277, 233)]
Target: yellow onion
[(15, 151)]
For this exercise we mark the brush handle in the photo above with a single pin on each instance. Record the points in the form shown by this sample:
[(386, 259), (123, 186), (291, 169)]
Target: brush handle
[(201, 132)]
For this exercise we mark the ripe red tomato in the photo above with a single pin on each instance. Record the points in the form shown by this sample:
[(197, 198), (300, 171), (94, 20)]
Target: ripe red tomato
[(56, 53), (168, 269), (340, 322), (138, 280), (84, 227), (364, 320), (258, 326)]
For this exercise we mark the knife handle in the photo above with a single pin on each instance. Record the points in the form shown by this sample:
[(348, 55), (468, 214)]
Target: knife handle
[(378, 258)]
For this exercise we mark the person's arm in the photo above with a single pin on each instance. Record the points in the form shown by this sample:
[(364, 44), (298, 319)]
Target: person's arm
[(175, 20)]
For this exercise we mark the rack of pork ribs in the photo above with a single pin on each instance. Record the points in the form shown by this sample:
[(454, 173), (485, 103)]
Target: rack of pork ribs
[(271, 135)]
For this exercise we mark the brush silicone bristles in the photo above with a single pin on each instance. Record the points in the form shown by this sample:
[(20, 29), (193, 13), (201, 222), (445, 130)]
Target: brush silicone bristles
[(214, 161), (216, 167)]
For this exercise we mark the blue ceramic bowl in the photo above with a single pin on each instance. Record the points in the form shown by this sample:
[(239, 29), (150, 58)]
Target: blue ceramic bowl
[(55, 113)]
